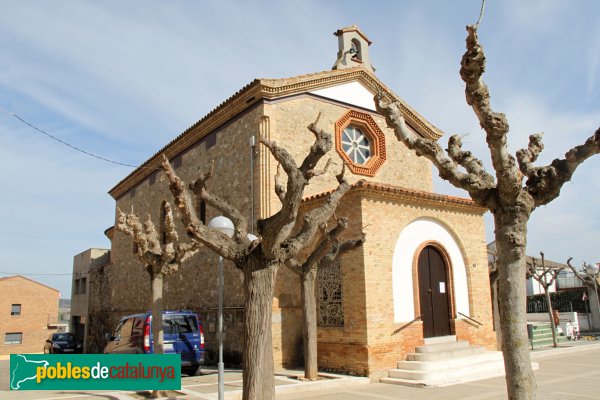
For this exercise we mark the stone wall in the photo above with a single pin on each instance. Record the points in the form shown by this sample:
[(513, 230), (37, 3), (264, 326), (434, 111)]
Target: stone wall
[(123, 287)]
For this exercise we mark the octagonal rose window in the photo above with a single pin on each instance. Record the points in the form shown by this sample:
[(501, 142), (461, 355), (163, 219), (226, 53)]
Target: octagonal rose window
[(360, 142)]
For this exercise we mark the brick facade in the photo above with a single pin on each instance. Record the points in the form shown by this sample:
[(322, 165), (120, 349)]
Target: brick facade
[(398, 194), (38, 318)]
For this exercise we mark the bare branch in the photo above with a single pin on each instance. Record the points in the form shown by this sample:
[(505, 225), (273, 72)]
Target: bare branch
[(122, 223), (280, 189), (544, 183), (312, 173), (495, 124), (130, 225), (185, 251), (526, 157), (466, 159), (294, 265), (325, 245), (151, 236), (239, 221), (316, 217), (282, 156), (281, 223), (216, 241), (480, 186), (338, 249), (171, 232), (544, 274), (585, 278), (322, 145)]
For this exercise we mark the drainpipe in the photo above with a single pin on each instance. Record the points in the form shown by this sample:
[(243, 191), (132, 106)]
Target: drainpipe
[(252, 147)]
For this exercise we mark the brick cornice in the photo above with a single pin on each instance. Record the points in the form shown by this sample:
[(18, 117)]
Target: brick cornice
[(381, 191)]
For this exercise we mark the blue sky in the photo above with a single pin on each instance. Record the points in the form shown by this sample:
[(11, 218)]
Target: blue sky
[(121, 79)]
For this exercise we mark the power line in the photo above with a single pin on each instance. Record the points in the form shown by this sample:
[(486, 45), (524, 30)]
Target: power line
[(65, 143)]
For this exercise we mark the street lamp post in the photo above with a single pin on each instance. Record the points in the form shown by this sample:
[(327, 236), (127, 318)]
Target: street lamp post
[(592, 270), (225, 226)]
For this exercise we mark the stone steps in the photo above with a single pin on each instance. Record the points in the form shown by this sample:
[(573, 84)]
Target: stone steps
[(445, 355), (446, 362), (449, 372)]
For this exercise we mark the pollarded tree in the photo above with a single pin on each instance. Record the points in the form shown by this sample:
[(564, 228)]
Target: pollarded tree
[(545, 276), (516, 190), (327, 252), (589, 281), (260, 259), (162, 254)]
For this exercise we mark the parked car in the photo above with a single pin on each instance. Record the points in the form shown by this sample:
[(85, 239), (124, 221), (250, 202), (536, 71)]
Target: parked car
[(183, 334), (59, 343)]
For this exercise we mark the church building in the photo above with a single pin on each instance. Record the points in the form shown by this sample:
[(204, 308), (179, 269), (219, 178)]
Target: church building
[(422, 273)]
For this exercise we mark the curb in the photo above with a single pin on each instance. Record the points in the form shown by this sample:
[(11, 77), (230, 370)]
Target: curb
[(551, 351)]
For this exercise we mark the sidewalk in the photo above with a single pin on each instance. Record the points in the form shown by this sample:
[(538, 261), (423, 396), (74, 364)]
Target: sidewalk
[(571, 371), (286, 382)]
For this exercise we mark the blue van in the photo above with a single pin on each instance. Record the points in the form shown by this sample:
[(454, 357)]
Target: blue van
[(183, 334)]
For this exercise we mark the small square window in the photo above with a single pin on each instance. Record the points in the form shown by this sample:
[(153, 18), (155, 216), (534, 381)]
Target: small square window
[(15, 309), (13, 338)]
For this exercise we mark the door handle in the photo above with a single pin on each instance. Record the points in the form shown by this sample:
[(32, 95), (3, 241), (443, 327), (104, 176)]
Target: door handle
[(428, 290)]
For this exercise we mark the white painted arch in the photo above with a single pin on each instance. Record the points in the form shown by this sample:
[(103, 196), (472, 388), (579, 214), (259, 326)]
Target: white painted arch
[(411, 238)]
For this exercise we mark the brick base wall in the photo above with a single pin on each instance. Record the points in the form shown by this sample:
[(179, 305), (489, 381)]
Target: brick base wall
[(350, 358)]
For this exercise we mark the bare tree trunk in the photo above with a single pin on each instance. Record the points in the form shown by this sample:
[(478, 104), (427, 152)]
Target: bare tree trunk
[(157, 332), (309, 332), (552, 323), (259, 285), (157, 309), (496, 312), (511, 240)]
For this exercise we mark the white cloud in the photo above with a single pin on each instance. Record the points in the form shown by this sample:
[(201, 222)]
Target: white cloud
[(123, 78), (593, 61)]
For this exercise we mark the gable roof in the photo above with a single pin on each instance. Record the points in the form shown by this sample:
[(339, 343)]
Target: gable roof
[(6, 278), (269, 89)]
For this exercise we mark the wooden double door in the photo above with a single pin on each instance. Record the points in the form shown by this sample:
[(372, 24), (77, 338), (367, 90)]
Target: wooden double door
[(434, 294)]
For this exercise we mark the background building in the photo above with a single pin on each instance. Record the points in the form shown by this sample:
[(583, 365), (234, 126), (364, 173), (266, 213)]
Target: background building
[(82, 263), (28, 315)]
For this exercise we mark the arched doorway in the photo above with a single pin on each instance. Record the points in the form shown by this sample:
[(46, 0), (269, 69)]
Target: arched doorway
[(434, 298)]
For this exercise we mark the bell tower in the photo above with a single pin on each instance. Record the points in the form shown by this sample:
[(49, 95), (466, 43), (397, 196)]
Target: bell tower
[(353, 49)]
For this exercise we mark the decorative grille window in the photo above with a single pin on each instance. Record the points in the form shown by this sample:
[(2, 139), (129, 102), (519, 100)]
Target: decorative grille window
[(331, 311)]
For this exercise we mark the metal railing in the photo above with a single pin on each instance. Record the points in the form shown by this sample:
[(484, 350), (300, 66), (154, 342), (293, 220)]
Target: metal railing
[(469, 318), (407, 324)]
